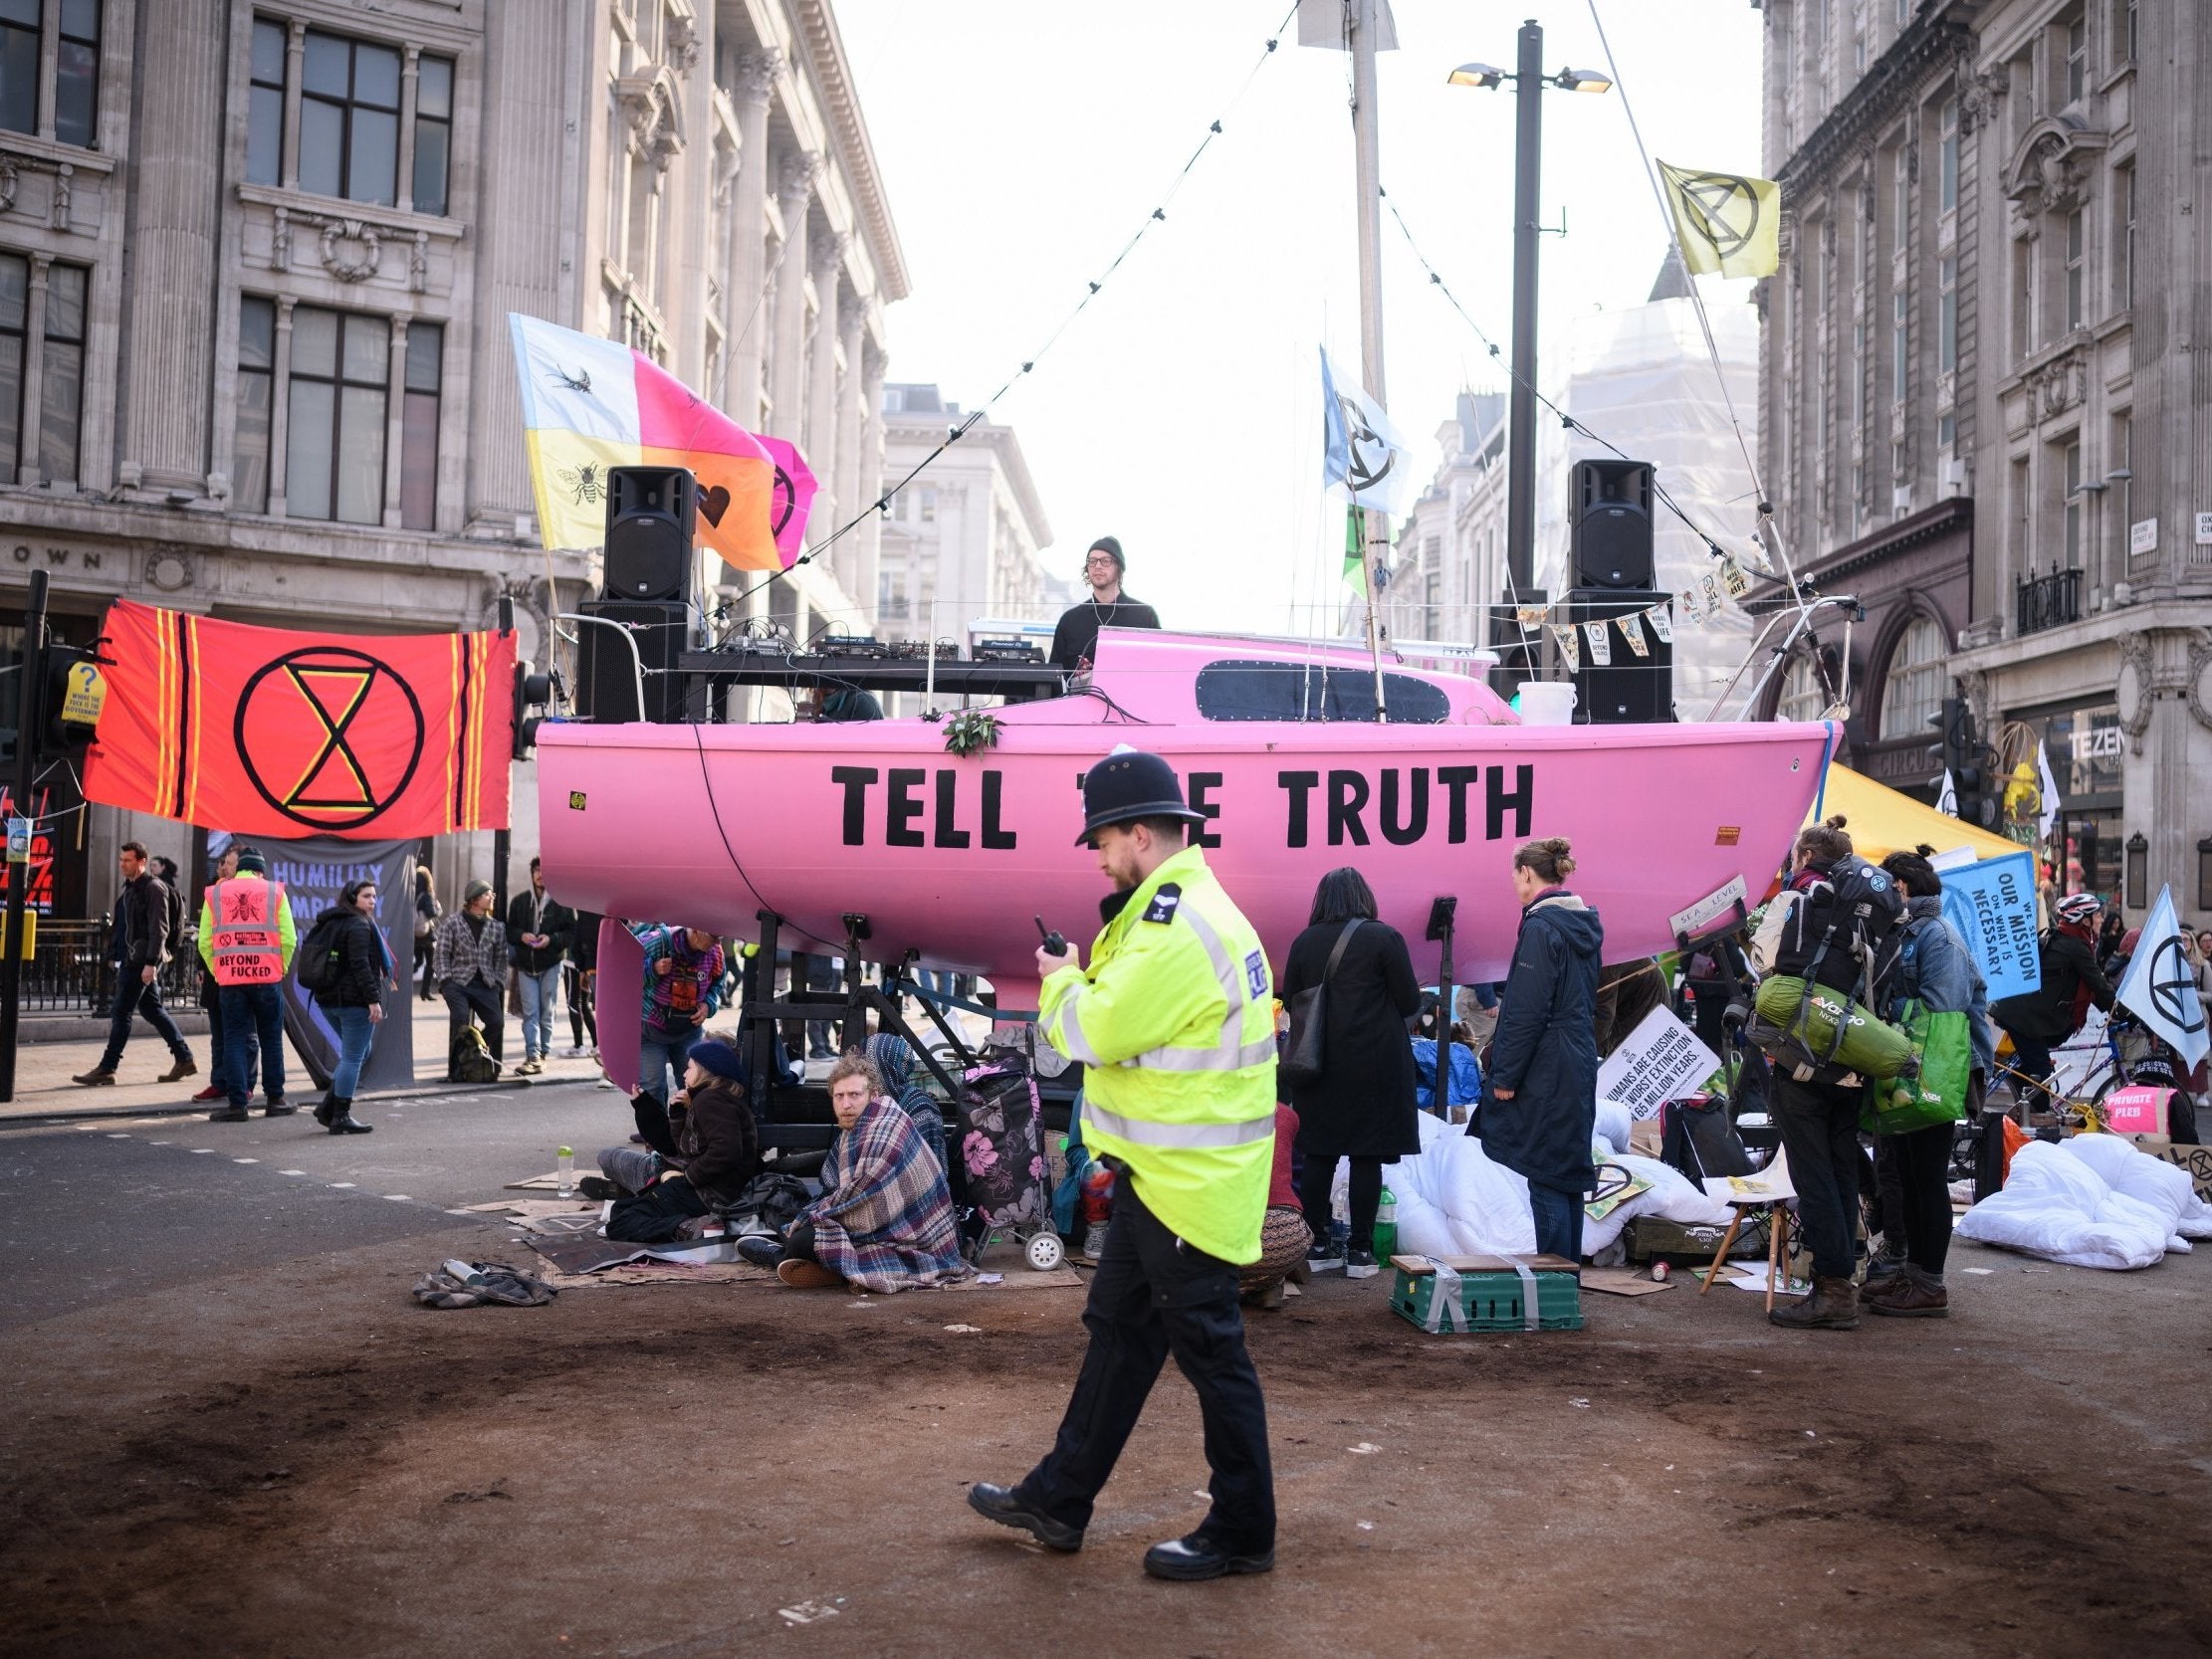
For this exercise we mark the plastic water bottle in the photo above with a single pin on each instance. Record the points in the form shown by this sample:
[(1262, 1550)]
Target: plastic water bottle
[(1386, 1227), (568, 1172), (1340, 1226)]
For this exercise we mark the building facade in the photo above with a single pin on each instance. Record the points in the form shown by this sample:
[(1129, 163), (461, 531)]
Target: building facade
[(256, 261), (963, 542), (1980, 401), (1452, 551)]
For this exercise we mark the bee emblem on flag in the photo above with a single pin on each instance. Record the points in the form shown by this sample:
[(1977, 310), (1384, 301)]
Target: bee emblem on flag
[(584, 482)]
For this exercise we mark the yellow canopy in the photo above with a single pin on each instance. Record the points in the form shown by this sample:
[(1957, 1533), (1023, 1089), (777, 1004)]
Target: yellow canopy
[(1881, 820)]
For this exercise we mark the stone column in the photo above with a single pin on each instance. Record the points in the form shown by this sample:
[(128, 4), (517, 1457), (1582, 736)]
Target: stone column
[(787, 384), (744, 319), (295, 64), (32, 426), (176, 210), (280, 408), (821, 442), (395, 412), (852, 322), (868, 472), (411, 76), (687, 202)]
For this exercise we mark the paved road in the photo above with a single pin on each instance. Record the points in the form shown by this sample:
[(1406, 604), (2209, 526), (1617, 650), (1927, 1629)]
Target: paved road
[(95, 1212)]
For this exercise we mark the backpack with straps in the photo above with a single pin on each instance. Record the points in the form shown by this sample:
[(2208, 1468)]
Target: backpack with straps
[(320, 958)]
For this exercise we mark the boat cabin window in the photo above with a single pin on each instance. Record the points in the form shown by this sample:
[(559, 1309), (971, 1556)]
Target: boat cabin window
[(1261, 691)]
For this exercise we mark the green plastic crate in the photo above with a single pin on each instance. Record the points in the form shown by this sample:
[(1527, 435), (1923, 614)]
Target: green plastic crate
[(1493, 1294)]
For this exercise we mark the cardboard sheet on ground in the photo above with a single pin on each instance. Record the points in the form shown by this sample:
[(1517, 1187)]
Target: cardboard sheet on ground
[(1619, 1281), (1661, 1060)]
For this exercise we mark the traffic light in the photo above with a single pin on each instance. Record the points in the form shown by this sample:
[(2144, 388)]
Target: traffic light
[(1966, 760), (533, 692)]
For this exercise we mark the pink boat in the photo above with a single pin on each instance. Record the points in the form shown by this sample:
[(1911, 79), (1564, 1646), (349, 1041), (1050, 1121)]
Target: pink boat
[(950, 856)]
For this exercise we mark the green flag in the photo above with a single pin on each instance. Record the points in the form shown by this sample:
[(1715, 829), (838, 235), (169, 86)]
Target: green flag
[(1354, 548)]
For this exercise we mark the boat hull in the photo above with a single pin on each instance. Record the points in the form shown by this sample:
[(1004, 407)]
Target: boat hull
[(952, 856)]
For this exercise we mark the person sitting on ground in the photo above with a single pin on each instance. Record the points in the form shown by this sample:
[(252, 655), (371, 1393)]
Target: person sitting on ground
[(884, 1220), (894, 1059), (1284, 1237), (713, 1153)]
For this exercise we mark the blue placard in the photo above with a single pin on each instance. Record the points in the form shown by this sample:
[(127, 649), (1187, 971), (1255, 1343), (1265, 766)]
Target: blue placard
[(1993, 903)]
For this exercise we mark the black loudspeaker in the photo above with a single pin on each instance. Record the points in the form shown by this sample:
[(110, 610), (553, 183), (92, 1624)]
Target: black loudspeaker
[(607, 677), (1634, 689), (649, 531), (1611, 520)]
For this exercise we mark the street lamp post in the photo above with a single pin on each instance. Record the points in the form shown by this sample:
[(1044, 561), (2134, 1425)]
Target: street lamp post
[(1529, 81)]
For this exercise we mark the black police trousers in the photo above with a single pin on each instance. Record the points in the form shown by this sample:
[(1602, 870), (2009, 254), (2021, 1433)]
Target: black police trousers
[(1153, 1296)]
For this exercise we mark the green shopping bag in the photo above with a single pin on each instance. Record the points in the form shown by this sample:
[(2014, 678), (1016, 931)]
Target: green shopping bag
[(1937, 1093)]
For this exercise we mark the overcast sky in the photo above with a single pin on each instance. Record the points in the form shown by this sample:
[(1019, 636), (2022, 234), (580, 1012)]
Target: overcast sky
[(1023, 144)]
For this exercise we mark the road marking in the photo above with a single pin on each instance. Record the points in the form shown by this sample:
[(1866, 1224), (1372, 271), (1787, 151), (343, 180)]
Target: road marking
[(341, 1185), (200, 1150), (291, 1171), (160, 1142), (113, 1137), (397, 1198), (471, 1214), (245, 1161)]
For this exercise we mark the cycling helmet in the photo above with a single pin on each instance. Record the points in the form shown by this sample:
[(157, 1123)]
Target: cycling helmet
[(2078, 906)]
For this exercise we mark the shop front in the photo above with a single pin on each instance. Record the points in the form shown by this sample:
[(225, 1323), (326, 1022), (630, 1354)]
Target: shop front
[(2084, 748)]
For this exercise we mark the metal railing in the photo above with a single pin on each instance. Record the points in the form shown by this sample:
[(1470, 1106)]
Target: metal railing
[(69, 973), (2047, 601)]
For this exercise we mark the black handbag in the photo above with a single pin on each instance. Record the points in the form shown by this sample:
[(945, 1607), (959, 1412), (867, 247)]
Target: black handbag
[(1302, 1054)]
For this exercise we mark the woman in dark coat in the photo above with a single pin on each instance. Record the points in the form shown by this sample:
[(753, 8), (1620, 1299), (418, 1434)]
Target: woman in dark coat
[(355, 1002), (1361, 1105), (1541, 1103)]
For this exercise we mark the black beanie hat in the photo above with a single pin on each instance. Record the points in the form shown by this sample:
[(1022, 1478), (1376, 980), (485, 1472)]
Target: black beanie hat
[(1111, 548)]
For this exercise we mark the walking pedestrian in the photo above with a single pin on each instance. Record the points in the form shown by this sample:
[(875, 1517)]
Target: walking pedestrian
[(1540, 1101), (542, 927), (1175, 1017), (583, 977), (246, 942), (140, 941), (471, 969), (1826, 926), (1361, 1107), (2043, 1019), (355, 1001), (427, 912)]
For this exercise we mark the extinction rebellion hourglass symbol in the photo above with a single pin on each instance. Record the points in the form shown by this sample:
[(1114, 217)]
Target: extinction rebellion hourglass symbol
[(330, 737)]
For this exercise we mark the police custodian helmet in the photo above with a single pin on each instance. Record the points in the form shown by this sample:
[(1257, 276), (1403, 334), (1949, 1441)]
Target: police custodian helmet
[(1130, 784)]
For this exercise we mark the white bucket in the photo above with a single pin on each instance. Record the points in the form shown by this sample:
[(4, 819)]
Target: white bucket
[(1545, 703)]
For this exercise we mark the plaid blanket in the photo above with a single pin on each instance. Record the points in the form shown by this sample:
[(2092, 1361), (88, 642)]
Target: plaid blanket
[(885, 1217)]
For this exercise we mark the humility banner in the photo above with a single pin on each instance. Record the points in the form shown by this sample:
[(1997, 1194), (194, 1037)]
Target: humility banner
[(1726, 223), (591, 404), (263, 732)]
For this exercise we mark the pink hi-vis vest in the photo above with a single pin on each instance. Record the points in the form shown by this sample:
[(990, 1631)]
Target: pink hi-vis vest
[(248, 948)]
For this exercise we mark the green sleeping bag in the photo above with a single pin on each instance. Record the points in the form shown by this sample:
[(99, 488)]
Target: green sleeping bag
[(1794, 1028)]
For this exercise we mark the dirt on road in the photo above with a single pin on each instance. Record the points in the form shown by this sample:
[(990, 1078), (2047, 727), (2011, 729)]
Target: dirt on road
[(303, 1462)]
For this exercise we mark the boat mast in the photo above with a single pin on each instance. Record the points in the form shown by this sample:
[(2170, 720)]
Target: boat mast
[(1361, 17)]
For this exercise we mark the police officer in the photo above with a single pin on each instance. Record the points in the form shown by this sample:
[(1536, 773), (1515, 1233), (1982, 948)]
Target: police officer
[(1175, 1018), (246, 939)]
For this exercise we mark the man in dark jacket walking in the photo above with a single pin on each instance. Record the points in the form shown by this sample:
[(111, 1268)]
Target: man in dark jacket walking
[(145, 931), (1541, 1103), (2042, 1019), (540, 926)]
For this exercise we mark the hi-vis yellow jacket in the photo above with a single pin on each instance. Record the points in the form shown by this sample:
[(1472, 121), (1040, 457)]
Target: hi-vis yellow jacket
[(1175, 1017)]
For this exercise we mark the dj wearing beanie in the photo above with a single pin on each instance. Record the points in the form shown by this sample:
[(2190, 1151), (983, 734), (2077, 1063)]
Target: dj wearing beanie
[(1077, 637)]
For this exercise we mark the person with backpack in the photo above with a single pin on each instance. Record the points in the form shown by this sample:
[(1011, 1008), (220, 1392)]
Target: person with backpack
[(1935, 969), (143, 936), (345, 965), (469, 952), (1829, 927), (246, 941), (2043, 1019), (1360, 1107)]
